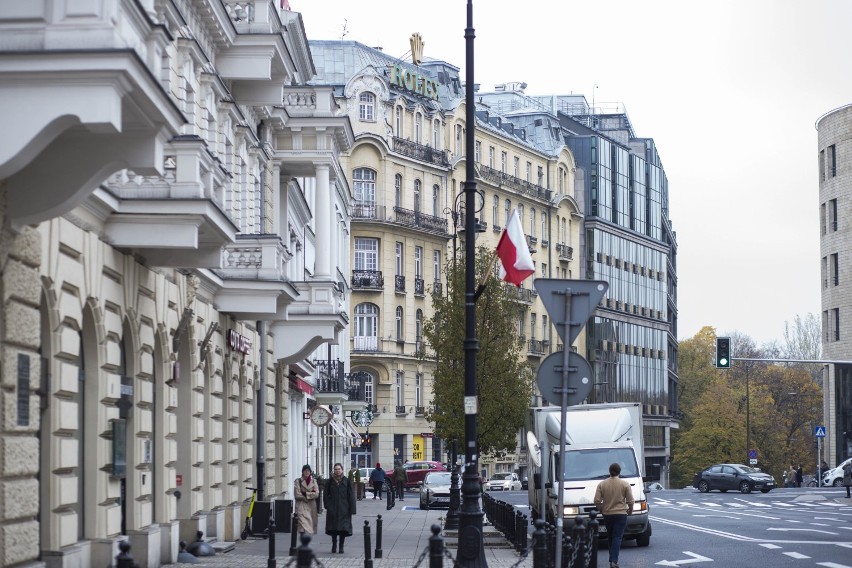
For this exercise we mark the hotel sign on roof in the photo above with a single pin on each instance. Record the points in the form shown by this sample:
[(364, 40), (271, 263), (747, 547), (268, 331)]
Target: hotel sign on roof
[(414, 82)]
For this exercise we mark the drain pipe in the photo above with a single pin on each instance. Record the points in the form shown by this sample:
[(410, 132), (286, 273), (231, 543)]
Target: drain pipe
[(260, 415)]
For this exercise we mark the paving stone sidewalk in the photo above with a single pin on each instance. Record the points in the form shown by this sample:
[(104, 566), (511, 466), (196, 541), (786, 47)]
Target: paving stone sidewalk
[(405, 537)]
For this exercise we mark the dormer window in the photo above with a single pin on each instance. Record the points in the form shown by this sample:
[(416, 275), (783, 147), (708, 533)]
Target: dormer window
[(367, 107)]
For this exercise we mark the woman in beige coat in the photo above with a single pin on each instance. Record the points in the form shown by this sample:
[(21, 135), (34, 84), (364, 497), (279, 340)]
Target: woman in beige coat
[(306, 492)]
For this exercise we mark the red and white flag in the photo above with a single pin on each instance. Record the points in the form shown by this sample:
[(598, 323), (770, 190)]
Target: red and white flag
[(516, 262)]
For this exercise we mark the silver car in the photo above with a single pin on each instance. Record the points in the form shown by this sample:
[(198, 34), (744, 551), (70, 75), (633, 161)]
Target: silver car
[(435, 490)]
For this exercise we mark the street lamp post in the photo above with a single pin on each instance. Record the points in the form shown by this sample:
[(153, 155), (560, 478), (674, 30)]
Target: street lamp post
[(470, 542)]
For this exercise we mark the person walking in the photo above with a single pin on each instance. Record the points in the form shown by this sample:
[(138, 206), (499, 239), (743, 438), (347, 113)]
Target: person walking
[(306, 492), (377, 479), (355, 479), (791, 476), (614, 500), (847, 479), (799, 476), (339, 501), (399, 480)]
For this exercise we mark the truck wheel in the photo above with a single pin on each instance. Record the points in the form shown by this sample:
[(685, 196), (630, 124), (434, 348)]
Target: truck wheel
[(644, 539)]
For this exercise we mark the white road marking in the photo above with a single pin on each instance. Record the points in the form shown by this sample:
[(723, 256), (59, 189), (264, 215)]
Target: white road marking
[(797, 529), (795, 555), (833, 565), (827, 519), (770, 546), (820, 525), (711, 504), (695, 558), (779, 504)]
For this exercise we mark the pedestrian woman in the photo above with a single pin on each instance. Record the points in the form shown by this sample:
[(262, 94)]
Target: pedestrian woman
[(614, 500), (306, 492), (799, 476), (847, 479), (339, 501)]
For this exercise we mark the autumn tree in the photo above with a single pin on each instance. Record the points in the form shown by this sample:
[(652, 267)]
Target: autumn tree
[(503, 376)]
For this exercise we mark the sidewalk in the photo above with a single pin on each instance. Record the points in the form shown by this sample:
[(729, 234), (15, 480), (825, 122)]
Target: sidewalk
[(405, 536)]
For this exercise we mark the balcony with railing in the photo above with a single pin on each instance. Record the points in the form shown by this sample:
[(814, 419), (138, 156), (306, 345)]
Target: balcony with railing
[(367, 280), (330, 376), (521, 186), (419, 287), (525, 295), (565, 252), (419, 410), (355, 385), (411, 218), (399, 283), (368, 210), (420, 152), (438, 286), (537, 347), (378, 346)]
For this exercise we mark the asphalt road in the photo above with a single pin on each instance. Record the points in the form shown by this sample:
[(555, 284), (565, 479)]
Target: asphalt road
[(786, 527)]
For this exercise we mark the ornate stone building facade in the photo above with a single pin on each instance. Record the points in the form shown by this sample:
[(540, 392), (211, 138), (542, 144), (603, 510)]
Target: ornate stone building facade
[(174, 252)]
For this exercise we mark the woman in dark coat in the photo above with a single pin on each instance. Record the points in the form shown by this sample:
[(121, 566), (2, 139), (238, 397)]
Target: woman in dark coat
[(339, 502)]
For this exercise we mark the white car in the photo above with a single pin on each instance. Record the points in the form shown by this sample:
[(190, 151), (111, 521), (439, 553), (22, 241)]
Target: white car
[(503, 482), (834, 476)]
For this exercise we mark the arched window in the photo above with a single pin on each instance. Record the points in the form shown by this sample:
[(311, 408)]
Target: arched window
[(366, 333), (417, 196), (521, 213), (365, 186), (544, 234), (367, 106), (397, 190), (369, 381), (418, 127), (532, 223), (399, 122), (562, 235), (436, 198), (400, 335)]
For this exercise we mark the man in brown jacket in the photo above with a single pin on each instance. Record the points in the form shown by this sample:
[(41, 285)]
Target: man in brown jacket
[(614, 500)]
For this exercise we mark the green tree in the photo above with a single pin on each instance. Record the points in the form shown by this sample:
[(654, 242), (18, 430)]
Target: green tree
[(503, 376)]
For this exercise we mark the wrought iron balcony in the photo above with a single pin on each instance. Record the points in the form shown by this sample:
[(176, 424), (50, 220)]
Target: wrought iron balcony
[(356, 387), (419, 410), (537, 347), (419, 287), (411, 218), (368, 210), (522, 186), (565, 252), (524, 294), (330, 378), (399, 283), (367, 280), (400, 410), (420, 152), (438, 286)]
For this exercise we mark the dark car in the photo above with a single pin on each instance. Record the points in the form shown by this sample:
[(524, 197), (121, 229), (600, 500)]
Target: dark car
[(416, 471), (733, 476)]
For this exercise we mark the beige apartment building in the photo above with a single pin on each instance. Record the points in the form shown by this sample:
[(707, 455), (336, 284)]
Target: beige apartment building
[(406, 168)]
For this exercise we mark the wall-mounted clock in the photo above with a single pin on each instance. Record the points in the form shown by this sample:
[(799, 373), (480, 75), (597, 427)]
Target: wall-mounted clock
[(320, 416)]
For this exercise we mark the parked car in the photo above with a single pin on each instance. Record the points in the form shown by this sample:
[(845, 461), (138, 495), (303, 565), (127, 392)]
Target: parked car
[(834, 476), (416, 471), (365, 474), (733, 476), (435, 490), (653, 486), (503, 481)]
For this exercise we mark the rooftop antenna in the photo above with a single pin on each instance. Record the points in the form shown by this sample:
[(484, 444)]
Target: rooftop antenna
[(344, 30)]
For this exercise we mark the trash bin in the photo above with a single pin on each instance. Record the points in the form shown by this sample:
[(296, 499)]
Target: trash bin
[(283, 515), (260, 517)]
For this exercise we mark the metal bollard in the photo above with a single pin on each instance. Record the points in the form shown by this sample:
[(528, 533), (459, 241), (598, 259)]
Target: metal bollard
[(436, 548), (293, 528), (368, 562), (592, 539), (520, 532), (123, 559), (270, 562), (379, 537), (539, 545), (305, 556)]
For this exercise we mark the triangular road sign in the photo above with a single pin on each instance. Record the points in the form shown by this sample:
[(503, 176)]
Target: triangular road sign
[(585, 297)]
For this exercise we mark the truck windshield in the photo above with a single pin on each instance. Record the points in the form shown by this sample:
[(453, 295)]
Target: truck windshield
[(594, 463)]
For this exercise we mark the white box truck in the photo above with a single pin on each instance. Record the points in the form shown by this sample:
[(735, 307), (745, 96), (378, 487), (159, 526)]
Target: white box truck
[(597, 436)]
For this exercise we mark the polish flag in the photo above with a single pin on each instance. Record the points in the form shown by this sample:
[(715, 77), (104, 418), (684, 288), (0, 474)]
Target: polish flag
[(516, 262)]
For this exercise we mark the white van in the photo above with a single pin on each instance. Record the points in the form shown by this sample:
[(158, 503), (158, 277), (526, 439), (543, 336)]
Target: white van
[(834, 477)]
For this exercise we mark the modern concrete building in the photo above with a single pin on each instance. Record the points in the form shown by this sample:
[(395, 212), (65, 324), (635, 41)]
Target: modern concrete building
[(174, 251), (406, 168), (835, 204)]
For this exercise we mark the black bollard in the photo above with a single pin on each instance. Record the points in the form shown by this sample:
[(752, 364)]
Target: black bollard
[(379, 537), (123, 559), (389, 495), (200, 547), (592, 541), (305, 556), (368, 562), (270, 562), (539, 545), (294, 526), (436, 548)]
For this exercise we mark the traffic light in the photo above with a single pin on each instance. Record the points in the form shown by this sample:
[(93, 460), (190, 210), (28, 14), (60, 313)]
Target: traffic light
[(723, 352)]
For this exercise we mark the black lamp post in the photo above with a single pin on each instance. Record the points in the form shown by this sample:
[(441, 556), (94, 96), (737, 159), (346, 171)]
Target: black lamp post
[(471, 552)]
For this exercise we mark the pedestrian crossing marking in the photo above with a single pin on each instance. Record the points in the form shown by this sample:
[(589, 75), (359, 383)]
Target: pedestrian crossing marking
[(770, 546), (796, 555)]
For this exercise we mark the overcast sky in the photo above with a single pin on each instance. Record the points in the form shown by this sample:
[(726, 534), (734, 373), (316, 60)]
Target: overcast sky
[(730, 90)]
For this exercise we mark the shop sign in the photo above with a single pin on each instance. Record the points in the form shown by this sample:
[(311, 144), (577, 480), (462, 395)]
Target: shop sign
[(238, 342), (414, 82)]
